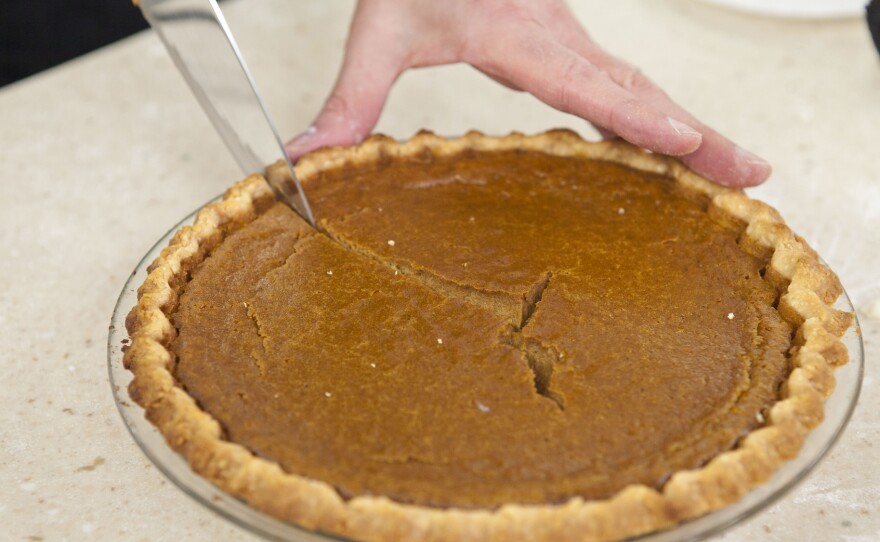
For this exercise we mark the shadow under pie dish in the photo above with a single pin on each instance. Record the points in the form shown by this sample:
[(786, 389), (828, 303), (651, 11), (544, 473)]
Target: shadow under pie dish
[(512, 338)]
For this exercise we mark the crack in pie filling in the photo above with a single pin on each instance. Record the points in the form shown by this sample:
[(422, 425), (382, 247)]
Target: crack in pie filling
[(511, 337)]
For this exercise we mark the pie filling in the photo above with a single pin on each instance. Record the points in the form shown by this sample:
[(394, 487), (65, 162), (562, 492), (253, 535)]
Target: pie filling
[(490, 328)]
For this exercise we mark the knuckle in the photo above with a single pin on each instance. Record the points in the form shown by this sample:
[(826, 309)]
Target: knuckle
[(337, 105), (339, 114), (575, 77), (634, 80), (567, 86), (499, 25), (510, 13)]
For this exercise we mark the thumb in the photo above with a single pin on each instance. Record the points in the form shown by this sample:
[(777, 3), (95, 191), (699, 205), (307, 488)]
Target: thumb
[(354, 105)]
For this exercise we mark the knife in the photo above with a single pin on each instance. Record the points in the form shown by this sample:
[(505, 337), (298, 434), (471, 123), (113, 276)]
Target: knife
[(199, 41)]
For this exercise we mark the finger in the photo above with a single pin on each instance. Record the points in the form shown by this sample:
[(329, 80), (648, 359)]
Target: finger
[(718, 158), (739, 169), (373, 61), (350, 112), (565, 80)]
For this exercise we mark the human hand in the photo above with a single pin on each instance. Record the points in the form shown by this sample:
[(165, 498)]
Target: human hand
[(535, 46)]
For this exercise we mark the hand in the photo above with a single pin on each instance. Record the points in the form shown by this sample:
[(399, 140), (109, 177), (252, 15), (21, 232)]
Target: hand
[(532, 45)]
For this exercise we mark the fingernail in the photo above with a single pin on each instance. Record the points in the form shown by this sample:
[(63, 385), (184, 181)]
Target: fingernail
[(683, 129), (752, 166), (749, 157)]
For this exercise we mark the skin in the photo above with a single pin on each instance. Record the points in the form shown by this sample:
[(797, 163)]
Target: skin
[(535, 46)]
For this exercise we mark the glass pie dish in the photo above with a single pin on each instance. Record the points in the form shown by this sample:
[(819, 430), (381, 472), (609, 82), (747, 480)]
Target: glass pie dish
[(838, 409)]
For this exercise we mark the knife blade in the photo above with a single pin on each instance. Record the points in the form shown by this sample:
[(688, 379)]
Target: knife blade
[(202, 47)]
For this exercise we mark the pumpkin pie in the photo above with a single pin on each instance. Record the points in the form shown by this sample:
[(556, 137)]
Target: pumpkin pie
[(487, 338)]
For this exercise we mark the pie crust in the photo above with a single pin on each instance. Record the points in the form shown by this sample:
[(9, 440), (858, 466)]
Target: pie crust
[(807, 287)]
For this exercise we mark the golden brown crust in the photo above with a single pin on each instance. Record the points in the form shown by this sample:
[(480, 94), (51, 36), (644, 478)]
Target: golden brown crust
[(807, 290)]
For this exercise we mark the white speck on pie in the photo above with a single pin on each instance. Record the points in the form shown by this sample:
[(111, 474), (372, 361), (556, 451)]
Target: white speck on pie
[(395, 272), (327, 394), (329, 272), (391, 242), (621, 211), (380, 209), (730, 316), (471, 219), (759, 417), (373, 365), (439, 340), (482, 407)]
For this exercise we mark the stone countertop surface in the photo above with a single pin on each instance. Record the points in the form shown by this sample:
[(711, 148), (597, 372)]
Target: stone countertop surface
[(103, 154)]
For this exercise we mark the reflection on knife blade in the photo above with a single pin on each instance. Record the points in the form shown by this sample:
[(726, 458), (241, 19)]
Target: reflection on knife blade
[(201, 45)]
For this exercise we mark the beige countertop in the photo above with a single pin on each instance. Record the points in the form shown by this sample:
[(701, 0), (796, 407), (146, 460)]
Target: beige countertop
[(103, 154)]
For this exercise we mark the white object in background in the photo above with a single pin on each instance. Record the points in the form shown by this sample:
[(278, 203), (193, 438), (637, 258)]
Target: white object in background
[(800, 9), (872, 310)]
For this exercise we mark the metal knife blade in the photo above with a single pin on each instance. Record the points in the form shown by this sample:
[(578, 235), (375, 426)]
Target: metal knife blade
[(199, 41)]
